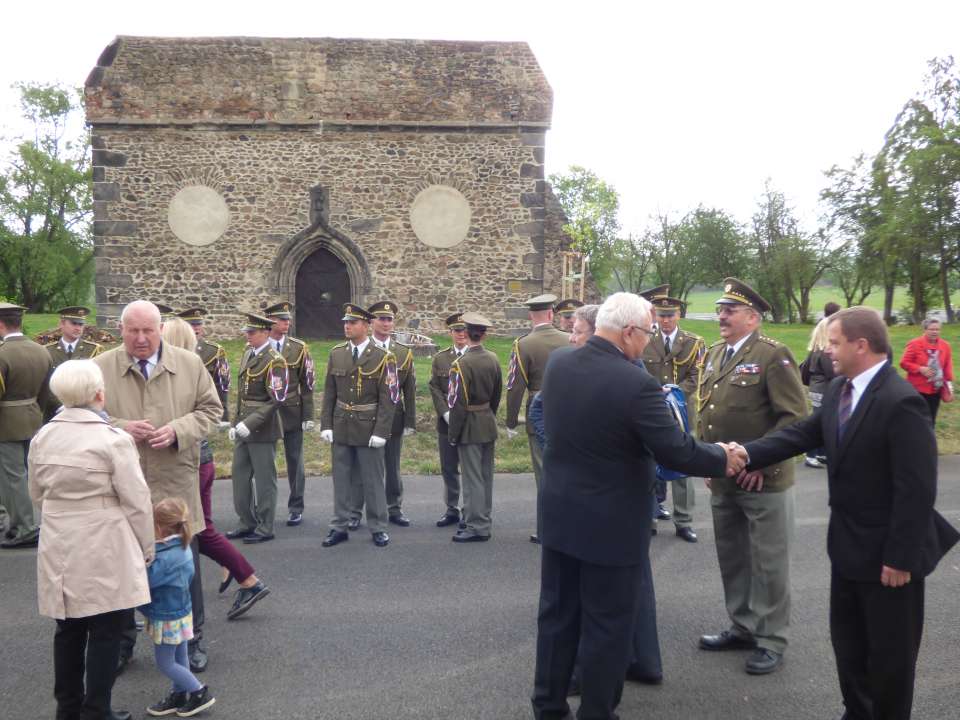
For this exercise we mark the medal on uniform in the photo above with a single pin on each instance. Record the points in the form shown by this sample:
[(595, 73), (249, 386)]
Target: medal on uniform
[(310, 372), (454, 387), (392, 381)]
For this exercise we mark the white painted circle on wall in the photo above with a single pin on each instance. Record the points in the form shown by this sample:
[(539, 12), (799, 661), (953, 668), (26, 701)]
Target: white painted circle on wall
[(198, 215), (440, 216)]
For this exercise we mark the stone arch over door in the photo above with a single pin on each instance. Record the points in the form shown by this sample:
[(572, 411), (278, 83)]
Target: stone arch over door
[(319, 248)]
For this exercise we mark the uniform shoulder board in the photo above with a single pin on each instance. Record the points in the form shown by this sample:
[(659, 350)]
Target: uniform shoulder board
[(274, 354), (718, 343), (295, 341), (49, 344), (341, 345), (770, 341)]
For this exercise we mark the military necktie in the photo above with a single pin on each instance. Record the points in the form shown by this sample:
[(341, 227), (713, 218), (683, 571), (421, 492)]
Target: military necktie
[(69, 351), (845, 408), (666, 344), (726, 357), (356, 353)]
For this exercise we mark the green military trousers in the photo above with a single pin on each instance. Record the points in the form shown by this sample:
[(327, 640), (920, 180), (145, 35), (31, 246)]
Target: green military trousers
[(684, 500), (365, 466), (255, 485), (476, 467), (13, 488)]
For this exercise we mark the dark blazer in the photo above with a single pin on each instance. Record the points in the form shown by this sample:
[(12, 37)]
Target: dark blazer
[(882, 478), (606, 427)]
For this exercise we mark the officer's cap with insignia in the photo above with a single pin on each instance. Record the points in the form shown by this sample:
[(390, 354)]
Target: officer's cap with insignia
[(737, 292), (257, 322), (455, 322), (194, 316), (280, 311), (355, 312), (384, 308), (541, 302), (165, 310), (666, 305), (656, 292), (567, 307), (472, 318), (74, 313), (9, 311)]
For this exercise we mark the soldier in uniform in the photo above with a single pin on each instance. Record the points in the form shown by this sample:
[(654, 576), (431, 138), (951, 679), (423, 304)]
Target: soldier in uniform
[(750, 386), (360, 395), (296, 413), (70, 346), (166, 312), (674, 357), (439, 385), (473, 397), (527, 363), (24, 372), (564, 312), (214, 359), (262, 389), (404, 417)]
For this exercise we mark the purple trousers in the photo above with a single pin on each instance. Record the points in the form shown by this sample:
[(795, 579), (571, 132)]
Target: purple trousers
[(213, 543)]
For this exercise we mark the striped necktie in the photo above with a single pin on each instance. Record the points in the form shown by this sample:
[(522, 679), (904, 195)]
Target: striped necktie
[(726, 357), (666, 344), (845, 408)]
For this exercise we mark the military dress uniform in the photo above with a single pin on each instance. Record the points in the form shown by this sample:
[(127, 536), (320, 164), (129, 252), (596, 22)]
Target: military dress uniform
[(359, 399), (449, 457), (297, 410), (473, 396), (262, 388), (215, 361), (527, 363), (744, 395), (564, 311), (677, 362), (404, 421), (60, 351), (24, 374)]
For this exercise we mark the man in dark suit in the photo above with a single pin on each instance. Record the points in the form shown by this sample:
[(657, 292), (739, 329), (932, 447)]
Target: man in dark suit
[(884, 536), (599, 474)]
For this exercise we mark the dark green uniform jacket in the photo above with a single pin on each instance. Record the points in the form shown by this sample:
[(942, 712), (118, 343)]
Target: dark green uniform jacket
[(215, 361), (527, 363), (681, 366), (263, 380), (473, 397), (84, 350), (440, 383), (298, 406), (24, 373), (405, 415), (359, 398)]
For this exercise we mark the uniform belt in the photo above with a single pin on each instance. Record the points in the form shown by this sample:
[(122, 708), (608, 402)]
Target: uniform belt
[(99, 502), (360, 408), (18, 403), (256, 403), (478, 407)]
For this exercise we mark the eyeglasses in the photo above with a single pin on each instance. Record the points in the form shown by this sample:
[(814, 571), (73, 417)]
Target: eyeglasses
[(728, 310), (651, 332)]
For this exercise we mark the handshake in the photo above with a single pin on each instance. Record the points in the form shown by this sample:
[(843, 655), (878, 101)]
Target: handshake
[(737, 458)]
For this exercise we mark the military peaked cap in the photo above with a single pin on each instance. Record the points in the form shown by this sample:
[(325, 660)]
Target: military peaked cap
[(567, 307), (472, 318), (737, 292), (384, 308), (455, 322), (165, 310), (280, 311), (540, 302), (257, 322), (194, 316), (655, 292), (9, 310), (355, 312), (76, 313), (666, 305)]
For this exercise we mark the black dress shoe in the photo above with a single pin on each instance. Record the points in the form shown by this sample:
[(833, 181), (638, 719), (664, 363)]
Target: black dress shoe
[(401, 520), (335, 537), (448, 519), (257, 538), (763, 661), (353, 524), (240, 533), (726, 640), (246, 597), (225, 584), (637, 676), (381, 539), (30, 540), (198, 657), (295, 519), (464, 537), (687, 533), (662, 513), (535, 539)]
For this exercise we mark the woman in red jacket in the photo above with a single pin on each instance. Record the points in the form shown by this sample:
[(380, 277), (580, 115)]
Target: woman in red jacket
[(929, 365)]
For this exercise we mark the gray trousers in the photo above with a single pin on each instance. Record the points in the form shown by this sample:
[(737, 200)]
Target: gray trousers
[(476, 461), (450, 471), (753, 534), (13, 487), (684, 500), (393, 483), (536, 457), (293, 452), (362, 466), (255, 485)]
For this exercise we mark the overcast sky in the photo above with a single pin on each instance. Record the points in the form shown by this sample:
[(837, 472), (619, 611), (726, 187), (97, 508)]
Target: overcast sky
[(674, 103)]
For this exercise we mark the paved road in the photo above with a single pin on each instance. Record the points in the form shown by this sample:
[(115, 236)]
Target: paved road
[(429, 629)]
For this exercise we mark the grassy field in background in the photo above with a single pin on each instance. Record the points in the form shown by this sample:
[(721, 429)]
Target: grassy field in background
[(420, 450), (703, 301)]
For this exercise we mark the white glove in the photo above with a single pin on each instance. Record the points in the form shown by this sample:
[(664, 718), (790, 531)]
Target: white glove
[(511, 434), (223, 424), (409, 431), (376, 442), (232, 434), (307, 425), (446, 417), (326, 435), (242, 430)]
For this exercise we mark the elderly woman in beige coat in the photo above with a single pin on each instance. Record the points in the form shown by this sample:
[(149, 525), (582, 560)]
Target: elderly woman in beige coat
[(97, 538)]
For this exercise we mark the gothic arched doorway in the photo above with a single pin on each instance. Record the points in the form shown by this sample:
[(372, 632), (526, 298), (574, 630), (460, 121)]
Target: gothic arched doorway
[(322, 287)]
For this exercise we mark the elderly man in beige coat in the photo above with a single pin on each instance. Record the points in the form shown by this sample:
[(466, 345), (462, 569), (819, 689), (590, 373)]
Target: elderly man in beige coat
[(164, 398)]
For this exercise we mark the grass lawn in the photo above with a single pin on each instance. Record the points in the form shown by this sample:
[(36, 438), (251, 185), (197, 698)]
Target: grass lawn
[(702, 301), (420, 450)]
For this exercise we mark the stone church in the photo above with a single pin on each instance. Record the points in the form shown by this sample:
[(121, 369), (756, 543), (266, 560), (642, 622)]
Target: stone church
[(236, 172)]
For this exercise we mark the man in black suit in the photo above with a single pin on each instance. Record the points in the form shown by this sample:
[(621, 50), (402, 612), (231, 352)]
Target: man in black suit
[(599, 474), (884, 535)]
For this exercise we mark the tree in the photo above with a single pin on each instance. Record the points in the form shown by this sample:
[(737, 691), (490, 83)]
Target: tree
[(673, 255), (46, 248), (630, 262), (591, 207), (719, 245)]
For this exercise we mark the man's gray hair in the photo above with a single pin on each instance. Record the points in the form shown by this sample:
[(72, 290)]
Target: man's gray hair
[(143, 306), (587, 313), (76, 382), (622, 309), (927, 322)]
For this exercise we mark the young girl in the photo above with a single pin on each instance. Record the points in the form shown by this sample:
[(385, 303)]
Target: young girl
[(169, 614)]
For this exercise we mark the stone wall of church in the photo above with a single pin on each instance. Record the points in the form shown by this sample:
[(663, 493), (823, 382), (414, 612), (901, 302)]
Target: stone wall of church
[(264, 177)]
